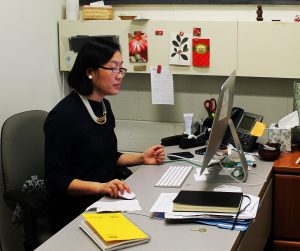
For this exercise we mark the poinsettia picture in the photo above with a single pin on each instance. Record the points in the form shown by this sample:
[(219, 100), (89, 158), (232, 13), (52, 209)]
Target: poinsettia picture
[(138, 47), (180, 48)]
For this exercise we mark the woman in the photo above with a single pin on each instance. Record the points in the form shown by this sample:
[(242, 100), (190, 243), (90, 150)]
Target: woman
[(81, 154)]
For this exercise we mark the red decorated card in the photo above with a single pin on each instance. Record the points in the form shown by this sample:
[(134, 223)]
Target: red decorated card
[(201, 52)]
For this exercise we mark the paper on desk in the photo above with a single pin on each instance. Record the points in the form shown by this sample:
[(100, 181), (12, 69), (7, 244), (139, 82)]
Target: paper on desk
[(198, 176), (201, 177), (115, 205), (289, 121), (162, 89), (228, 188), (164, 204)]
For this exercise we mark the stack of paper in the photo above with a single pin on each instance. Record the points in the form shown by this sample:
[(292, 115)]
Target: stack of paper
[(164, 204), (112, 231)]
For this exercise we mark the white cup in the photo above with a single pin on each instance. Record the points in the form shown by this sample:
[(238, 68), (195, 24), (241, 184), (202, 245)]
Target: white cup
[(72, 9)]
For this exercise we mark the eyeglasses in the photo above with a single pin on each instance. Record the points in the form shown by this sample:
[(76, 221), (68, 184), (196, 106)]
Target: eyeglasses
[(115, 71)]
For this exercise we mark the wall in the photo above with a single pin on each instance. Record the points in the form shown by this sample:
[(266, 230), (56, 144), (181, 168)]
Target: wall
[(29, 78), (270, 97)]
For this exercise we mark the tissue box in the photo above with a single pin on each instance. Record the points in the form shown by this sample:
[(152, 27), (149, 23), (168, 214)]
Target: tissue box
[(281, 136), (97, 13)]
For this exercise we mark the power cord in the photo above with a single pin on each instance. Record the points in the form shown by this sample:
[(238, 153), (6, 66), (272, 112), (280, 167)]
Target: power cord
[(240, 211), (179, 158), (191, 161), (243, 184)]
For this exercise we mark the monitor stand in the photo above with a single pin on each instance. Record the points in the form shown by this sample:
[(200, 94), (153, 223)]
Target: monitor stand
[(214, 170)]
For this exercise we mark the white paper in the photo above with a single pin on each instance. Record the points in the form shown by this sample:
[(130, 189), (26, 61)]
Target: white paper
[(289, 121), (115, 205), (228, 188), (162, 87), (198, 176), (201, 177), (164, 203), (97, 4)]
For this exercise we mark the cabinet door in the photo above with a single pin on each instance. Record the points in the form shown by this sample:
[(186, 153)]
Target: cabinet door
[(269, 49), (287, 207)]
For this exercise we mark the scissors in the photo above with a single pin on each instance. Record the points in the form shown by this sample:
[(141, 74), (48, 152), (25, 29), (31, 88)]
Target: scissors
[(210, 106)]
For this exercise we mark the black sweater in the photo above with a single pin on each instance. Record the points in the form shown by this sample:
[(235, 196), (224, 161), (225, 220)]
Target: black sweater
[(77, 148)]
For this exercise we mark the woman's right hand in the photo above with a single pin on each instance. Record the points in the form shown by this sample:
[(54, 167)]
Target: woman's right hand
[(81, 187), (112, 187)]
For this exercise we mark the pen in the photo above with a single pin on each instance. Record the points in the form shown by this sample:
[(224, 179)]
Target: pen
[(250, 163)]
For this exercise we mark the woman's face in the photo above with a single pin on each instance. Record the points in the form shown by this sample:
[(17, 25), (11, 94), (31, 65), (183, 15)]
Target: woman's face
[(105, 81)]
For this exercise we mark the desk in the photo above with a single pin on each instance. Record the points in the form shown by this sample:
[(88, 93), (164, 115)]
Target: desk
[(178, 237)]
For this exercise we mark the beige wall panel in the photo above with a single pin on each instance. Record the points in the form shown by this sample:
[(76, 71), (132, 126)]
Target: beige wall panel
[(222, 35), (139, 135), (270, 97), (269, 49)]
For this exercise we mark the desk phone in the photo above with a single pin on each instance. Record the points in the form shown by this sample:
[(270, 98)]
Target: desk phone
[(243, 129)]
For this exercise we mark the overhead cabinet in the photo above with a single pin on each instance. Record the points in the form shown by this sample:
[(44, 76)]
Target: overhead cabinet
[(254, 49)]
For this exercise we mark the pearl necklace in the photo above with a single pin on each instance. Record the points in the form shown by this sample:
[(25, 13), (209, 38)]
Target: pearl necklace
[(99, 120)]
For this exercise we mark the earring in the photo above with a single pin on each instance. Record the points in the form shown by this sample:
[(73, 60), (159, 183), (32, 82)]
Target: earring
[(90, 76)]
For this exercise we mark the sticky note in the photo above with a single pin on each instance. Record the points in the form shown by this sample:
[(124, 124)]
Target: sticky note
[(258, 129)]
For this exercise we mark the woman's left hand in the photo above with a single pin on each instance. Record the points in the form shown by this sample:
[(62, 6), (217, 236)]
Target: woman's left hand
[(154, 155)]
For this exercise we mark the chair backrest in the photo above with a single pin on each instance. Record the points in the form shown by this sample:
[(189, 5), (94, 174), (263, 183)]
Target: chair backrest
[(22, 148)]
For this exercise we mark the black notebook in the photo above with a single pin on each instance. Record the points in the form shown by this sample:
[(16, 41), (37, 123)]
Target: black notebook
[(207, 201)]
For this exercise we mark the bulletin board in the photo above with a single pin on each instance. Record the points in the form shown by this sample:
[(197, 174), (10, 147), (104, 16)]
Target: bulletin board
[(221, 34)]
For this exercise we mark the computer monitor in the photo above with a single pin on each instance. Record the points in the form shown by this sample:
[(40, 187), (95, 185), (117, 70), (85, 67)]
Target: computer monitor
[(220, 124)]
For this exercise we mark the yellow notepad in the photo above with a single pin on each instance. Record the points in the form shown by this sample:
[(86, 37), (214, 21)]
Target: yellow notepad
[(114, 226)]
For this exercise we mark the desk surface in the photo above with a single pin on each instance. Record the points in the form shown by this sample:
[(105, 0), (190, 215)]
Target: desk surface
[(287, 162), (165, 236)]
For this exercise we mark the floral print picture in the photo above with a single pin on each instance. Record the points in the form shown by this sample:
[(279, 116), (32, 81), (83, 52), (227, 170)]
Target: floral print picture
[(180, 48), (138, 47)]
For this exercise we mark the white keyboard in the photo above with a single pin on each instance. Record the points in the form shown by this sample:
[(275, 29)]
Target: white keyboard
[(174, 176)]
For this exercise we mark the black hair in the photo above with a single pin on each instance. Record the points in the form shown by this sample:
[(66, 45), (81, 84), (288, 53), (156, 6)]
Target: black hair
[(92, 55)]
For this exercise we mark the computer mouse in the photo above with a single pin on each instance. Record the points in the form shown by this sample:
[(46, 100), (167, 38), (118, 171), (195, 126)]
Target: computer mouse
[(126, 195)]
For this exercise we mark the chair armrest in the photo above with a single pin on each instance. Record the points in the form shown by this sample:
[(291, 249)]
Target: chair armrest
[(26, 200)]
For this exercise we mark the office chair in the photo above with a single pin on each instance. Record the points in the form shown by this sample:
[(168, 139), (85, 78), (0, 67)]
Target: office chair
[(22, 156)]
